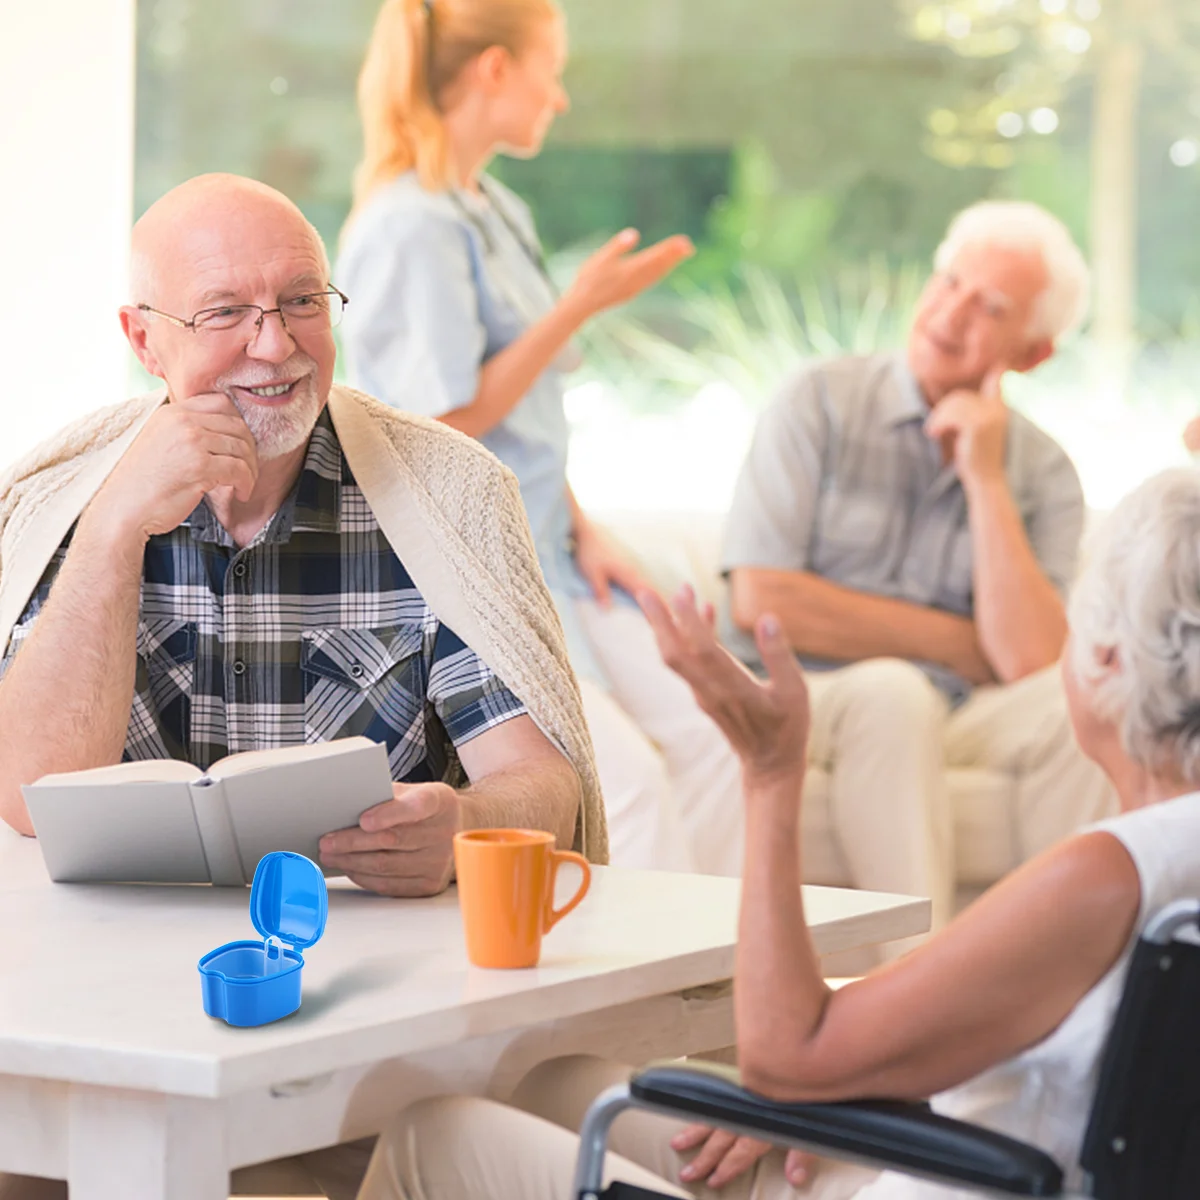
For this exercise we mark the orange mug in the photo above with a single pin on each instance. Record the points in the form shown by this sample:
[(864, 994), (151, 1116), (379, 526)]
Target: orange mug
[(506, 892)]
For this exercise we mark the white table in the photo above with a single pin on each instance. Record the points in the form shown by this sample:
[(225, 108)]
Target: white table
[(112, 1076)]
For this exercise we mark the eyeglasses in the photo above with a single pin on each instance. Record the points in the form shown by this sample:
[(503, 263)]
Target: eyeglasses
[(315, 310)]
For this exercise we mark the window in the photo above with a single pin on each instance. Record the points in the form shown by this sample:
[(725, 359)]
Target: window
[(815, 151)]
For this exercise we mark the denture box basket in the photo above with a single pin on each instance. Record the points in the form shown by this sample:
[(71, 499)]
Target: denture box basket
[(254, 983)]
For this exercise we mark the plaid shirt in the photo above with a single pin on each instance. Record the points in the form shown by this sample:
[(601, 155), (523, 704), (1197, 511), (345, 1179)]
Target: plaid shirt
[(313, 631)]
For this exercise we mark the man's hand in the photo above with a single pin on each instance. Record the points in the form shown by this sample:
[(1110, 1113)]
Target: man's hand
[(185, 450), (724, 1156), (973, 430), (403, 847), (603, 563)]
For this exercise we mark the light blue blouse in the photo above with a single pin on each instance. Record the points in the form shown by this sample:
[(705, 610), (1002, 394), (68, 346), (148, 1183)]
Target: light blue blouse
[(438, 283)]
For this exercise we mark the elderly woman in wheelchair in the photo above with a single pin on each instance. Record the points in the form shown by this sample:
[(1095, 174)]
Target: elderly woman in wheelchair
[(1064, 991)]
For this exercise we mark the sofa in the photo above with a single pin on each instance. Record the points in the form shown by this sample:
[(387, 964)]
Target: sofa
[(674, 548)]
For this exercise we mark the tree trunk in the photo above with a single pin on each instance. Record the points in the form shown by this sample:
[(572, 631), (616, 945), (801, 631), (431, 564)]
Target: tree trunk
[(1114, 225)]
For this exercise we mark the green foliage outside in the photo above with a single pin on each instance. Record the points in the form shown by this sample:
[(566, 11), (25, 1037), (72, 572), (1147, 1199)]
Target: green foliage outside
[(795, 141)]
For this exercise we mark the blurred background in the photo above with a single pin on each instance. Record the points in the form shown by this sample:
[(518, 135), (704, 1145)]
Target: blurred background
[(814, 151)]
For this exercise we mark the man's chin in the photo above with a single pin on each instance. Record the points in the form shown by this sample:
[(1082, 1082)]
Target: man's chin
[(934, 371), (272, 449), (281, 429)]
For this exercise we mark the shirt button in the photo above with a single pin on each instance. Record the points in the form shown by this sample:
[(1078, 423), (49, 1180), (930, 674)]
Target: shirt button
[(239, 667), (357, 671), (239, 570)]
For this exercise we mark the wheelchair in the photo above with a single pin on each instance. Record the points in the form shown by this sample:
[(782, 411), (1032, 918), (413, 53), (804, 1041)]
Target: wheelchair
[(1143, 1134)]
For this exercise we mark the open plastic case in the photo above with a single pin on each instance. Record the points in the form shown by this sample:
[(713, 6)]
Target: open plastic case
[(254, 983)]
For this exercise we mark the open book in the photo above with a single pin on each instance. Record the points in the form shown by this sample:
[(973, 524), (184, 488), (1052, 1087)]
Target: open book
[(167, 822)]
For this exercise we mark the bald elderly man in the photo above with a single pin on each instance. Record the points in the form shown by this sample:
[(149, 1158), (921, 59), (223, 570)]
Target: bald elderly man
[(254, 558)]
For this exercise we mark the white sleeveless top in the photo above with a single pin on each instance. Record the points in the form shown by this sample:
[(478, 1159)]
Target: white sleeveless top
[(1044, 1095)]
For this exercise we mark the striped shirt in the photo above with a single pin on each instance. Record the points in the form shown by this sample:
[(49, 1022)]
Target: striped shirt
[(842, 482), (313, 631)]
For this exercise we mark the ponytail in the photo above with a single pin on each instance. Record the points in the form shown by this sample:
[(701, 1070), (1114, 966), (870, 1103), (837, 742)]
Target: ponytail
[(417, 49), (401, 127)]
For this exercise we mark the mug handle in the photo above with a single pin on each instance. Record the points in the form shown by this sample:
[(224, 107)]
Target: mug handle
[(558, 857)]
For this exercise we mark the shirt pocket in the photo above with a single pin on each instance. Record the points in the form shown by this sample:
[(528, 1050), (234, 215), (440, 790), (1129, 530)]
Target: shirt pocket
[(851, 535), (166, 679), (167, 651), (365, 681)]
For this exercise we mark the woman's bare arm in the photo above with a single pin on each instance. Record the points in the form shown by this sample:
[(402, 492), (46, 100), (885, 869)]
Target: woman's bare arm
[(997, 980), (611, 276), (506, 377)]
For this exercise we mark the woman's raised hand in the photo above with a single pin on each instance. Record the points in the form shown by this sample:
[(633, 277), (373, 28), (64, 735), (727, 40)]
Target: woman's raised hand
[(615, 273), (766, 721)]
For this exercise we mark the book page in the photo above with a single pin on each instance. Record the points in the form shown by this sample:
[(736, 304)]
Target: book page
[(156, 770), (117, 832), (265, 760), (291, 806)]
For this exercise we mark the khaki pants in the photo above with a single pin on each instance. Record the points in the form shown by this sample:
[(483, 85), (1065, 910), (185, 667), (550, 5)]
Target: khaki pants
[(462, 1148)]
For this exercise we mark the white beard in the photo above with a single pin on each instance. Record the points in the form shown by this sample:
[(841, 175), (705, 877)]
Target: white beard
[(279, 431)]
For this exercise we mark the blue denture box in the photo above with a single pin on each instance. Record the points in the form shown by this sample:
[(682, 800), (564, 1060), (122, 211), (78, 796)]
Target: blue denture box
[(254, 983)]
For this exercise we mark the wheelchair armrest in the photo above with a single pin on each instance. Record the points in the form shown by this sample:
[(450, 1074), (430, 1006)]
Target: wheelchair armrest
[(900, 1135)]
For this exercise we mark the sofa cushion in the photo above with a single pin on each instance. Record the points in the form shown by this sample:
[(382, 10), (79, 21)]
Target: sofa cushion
[(985, 836), (673, 548)]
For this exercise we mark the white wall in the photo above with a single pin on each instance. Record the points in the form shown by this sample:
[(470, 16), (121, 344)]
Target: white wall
[(66, 202)]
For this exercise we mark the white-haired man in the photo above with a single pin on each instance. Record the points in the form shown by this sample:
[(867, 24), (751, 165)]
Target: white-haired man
[(916, 536)]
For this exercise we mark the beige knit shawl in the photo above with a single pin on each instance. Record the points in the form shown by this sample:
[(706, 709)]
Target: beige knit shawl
[(450, 510)]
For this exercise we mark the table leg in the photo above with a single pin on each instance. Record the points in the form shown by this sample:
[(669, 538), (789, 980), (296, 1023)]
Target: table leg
[(127, 1144)]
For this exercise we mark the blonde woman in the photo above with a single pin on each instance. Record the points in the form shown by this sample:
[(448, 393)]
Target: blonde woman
[(1001, 1017), (453, 315)]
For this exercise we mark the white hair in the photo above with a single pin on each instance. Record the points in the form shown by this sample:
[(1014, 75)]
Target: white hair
[(1019, 225), (1135, 624)]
